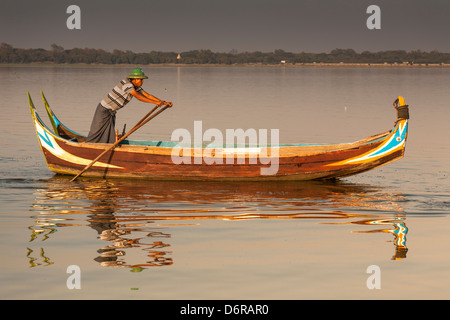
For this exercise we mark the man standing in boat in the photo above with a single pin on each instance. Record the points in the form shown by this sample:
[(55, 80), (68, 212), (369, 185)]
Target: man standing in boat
[(103, 124)]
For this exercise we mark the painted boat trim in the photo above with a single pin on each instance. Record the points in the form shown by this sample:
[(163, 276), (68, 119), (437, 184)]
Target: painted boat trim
[(47, 142), (394, 143)]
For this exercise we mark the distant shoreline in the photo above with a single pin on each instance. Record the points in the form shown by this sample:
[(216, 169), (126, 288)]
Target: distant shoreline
[(283, 65), (57, 55)]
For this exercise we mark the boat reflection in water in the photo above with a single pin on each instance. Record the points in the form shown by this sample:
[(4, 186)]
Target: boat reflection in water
[(134, 214)]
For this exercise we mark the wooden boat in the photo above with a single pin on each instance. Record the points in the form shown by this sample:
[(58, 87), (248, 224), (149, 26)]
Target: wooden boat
[(66, 152)]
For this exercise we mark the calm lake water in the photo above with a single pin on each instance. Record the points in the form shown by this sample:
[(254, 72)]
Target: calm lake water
[(215, 240)]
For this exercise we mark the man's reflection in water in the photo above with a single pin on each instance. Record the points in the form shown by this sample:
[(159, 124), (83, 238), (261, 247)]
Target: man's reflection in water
[(102, 220), (109, 229)]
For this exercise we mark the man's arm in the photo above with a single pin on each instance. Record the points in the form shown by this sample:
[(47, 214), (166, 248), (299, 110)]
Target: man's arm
[(145, 97)]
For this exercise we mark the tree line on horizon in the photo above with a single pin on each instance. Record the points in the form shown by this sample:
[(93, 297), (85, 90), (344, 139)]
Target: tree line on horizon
[(59, 55)]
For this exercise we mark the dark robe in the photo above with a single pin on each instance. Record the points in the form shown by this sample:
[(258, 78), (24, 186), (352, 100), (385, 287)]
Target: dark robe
[(103, 126)]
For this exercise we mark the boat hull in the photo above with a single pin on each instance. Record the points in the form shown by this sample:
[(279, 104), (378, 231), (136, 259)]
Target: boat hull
[(293, 162)]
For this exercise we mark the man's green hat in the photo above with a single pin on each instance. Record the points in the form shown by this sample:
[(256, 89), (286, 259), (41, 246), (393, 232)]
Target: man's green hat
[(137, 73)]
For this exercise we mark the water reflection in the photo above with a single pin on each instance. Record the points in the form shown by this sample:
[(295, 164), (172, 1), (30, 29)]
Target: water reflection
[(399, 232), (131, 215)]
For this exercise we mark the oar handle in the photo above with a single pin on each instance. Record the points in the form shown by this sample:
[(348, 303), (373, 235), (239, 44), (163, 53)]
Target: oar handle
[(137, 126)]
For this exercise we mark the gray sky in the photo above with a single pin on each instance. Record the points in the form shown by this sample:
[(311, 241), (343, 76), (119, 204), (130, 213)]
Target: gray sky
[(244, 25)]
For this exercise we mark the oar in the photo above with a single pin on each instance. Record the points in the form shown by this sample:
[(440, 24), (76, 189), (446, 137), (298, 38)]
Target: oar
[(137, 126)]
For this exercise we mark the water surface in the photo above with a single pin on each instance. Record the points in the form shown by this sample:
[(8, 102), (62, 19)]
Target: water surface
[(215, 240)]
